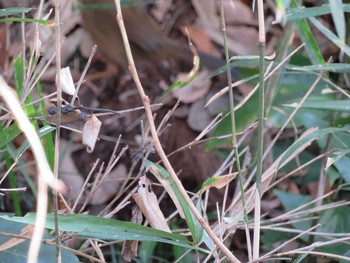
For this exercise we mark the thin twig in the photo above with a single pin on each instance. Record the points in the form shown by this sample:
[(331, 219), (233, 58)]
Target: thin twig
[(58, 123), (157, 145)]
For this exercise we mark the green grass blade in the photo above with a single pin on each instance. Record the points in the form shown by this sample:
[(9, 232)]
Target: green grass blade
[(13, 184), (87, 226), (41, 132), (338, 18), (25, 20), (328, 105), (307, 37), (14, 11), (329, 67), (297, 13), (331, 36), (7, 135)]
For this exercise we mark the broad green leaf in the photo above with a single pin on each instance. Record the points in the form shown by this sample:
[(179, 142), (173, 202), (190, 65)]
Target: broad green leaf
[(291, 201), (313, 169), (346, 254), (147, 250), (343, 166), (293, 87), (334, 221), (86, 226), (270, 238)]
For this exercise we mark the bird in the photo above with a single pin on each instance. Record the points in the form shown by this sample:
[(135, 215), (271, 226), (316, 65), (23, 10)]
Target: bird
[(145, 35)]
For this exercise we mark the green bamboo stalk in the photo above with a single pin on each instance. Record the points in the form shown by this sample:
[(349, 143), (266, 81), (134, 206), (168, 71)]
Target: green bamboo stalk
[(233, 131)]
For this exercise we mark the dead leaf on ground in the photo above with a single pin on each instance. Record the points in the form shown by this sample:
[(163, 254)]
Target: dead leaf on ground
[(245, 39), (219, 104), (207, 17), (236, 12), (270, 205), (86, 45), (70, 174), (200, 39), (198, 117), (194, 90), (109, 186)]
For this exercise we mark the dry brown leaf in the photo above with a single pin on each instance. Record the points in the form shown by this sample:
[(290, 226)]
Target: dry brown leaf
[(270, 205), (86, 45), (71, 44), (293, 188), (198, 117), (206, 11), (245, 39), (236, 12), (200, 39), (70, 174), (129, 250), (91, 130), (147, 201), (220, 181), (221, 104)]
